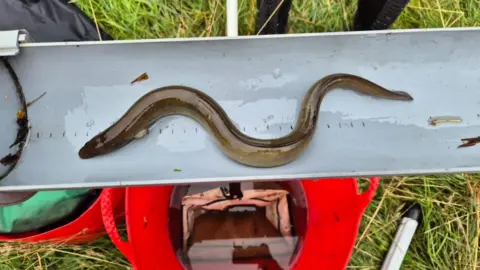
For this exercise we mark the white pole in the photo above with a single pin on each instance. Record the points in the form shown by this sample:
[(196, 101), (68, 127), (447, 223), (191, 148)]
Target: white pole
[(232, 18)]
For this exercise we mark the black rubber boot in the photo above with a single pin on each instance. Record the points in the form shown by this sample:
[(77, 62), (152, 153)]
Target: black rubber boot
[(279, 21), (377, 14)]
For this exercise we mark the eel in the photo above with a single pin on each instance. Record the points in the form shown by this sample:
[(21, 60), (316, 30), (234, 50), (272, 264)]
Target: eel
[(246, 150)]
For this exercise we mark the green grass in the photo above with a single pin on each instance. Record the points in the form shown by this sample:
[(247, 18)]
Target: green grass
[(139, 19), (448, 237)]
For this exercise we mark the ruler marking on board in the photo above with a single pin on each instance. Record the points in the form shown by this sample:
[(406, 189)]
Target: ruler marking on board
[(190, 129)]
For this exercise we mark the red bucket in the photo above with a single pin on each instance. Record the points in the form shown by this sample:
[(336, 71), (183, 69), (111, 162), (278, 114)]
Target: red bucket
[(335, 208), (86, 228)]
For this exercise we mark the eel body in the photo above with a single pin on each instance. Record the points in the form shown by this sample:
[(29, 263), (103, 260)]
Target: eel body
[(254, 152)]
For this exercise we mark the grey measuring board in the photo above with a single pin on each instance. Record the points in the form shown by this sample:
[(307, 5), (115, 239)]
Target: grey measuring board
[(260, 82)]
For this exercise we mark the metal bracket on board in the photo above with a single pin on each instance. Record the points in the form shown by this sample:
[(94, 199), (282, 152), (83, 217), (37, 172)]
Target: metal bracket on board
[(10, 41)]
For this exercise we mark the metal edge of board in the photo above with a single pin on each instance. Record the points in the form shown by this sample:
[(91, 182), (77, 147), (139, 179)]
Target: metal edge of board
[(253, 178), (361, 34)]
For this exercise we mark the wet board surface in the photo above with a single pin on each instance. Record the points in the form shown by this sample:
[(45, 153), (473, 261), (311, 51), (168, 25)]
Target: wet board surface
[(260, 82)]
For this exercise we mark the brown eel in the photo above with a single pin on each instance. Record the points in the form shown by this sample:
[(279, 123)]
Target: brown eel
[(190, 102)]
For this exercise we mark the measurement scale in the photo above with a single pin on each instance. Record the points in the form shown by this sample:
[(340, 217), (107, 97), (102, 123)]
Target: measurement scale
[(260, 82)]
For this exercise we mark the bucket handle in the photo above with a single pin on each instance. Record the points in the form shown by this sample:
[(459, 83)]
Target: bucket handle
[(111, 225), (367, 196)]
